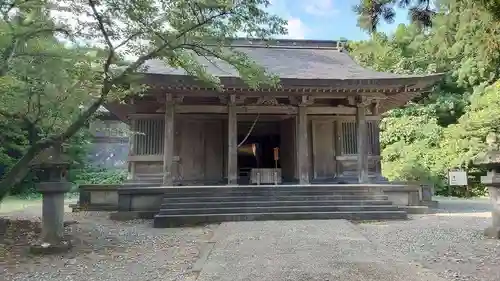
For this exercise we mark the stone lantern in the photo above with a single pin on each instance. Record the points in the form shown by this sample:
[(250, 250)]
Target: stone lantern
[(491, 160), (50, 167)]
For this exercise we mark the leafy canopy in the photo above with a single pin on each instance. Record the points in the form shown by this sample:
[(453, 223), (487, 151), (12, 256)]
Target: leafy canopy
[(447, 127), (63, 59)]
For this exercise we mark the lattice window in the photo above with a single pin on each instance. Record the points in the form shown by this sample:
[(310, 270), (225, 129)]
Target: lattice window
[(350, 138), (149, 135)]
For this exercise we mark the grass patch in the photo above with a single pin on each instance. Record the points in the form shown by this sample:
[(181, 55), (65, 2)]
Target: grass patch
[(12, 204), (19, 203)]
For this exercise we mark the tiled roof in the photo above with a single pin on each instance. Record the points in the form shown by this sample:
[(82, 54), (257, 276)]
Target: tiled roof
[(295, 59)]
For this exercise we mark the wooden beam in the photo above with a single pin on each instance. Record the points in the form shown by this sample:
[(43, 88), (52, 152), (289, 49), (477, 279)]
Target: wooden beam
[(183, 109), (355, 157), (147, 115), (266, 109), (145, 158), (263, 109), (333, 110), (249, 117), (341, 117), (169, 135)]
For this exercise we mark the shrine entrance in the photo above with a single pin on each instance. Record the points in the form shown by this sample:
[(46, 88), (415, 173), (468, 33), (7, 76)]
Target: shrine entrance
[(258, 152)]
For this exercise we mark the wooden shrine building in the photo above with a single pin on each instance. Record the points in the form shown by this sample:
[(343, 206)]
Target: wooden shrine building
[(320, 126)]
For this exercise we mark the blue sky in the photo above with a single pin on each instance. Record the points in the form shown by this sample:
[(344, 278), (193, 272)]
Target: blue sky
[(325, 19)]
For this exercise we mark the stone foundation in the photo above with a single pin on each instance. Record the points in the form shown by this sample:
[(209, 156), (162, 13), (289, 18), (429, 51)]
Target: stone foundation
[(101, 197), (140, 201)]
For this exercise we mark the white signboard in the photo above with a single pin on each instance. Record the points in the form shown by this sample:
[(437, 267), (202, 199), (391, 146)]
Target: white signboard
[(457, 178)]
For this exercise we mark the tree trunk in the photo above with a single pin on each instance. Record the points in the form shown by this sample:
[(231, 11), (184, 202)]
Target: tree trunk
[(19, 170)]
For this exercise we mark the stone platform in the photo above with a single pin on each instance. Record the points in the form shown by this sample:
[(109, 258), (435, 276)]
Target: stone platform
[(173, 206), (300, 250)]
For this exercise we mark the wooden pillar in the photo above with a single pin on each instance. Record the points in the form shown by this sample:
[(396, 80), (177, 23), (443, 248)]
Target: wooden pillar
[(375, 109), (376, 143), (362, 142), (302, 144), (168, 150), (131, 146), (232, 142)]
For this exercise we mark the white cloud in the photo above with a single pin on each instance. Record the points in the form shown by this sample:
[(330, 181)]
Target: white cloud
[(296, 29), (321, 7)]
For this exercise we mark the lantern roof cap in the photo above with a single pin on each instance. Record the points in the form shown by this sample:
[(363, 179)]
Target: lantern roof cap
[(52, 156)]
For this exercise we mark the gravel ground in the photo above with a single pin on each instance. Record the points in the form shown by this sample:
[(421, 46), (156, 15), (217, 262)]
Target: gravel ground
[(449, 242), (103, 250)]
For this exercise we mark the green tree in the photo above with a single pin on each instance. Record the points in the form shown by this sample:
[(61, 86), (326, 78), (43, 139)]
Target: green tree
[(174, 31), (421, 12), (447, 127), (372, 12)]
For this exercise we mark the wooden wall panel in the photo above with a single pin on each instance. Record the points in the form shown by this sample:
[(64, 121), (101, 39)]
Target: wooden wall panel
[(214, 150), (351, 166), (287, 152), (200, 147), (323, 149), (146, 168), (192, 145)]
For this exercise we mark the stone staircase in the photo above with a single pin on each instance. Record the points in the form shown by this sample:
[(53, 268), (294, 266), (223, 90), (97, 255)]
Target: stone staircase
[(212, 204)]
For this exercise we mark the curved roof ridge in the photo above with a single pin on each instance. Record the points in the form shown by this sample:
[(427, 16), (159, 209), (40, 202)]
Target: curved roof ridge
[(312, 59), (282, 43)]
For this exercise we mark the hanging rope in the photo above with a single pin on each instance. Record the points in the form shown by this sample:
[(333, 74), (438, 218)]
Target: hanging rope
[(250, 130)]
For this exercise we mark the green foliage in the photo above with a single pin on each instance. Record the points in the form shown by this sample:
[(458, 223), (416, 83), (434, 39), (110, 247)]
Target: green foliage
[(89, 175), (447, 128), (372, 12), (62, 59)]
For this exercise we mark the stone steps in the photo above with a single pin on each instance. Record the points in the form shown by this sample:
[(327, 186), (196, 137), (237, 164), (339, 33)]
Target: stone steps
[(276, 209), (210, 204), (235, 198), (233, 204), (268, 194), (163, 221), (275, 188)]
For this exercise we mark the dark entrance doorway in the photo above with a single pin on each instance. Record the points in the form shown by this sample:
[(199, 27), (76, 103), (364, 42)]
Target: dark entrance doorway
[(258, 149)]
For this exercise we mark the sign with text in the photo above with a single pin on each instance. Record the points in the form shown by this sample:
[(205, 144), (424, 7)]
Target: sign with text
[(457, 178)]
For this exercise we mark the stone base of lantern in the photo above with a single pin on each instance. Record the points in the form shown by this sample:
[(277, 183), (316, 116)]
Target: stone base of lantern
[(44, 248), (52, 240), (492, 232)]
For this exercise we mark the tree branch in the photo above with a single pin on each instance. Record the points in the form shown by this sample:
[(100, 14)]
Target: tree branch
[(199, 24), (100, 22), (128, 39), (42, 30), (105, 34)]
